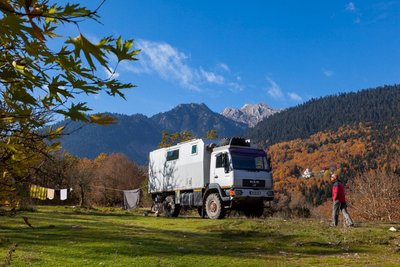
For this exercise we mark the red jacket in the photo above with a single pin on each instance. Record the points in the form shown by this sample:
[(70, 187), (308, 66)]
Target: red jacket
[(338, 192)]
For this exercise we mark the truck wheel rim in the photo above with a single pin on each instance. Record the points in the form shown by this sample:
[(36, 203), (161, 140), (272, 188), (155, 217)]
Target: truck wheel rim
[(213, 206)]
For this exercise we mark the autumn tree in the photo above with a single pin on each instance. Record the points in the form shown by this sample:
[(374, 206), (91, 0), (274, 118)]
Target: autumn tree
[(39, 81), (211, 134), (115, 173), (168, 139), (84, 180)]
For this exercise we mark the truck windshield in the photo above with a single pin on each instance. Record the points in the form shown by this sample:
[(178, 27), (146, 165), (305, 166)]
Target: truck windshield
[(249, 159)]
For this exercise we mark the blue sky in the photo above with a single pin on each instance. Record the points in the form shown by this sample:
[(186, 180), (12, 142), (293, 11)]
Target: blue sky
[(228, 53)]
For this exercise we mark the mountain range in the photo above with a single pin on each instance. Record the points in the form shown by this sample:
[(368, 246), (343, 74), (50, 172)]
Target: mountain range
[(136, 135)]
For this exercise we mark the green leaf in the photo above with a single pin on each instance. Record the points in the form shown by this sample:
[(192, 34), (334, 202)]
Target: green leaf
[(89, 50), (122, 50), (76, 112), (20, 95)]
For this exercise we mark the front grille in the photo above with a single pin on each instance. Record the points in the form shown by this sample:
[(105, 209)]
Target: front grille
[(253, 183)]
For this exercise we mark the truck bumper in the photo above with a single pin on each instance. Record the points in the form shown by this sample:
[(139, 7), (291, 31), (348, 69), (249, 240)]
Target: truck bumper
[(240, 193)]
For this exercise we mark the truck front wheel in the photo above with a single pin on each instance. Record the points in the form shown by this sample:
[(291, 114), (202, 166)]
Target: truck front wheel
[(214, 207), (170, 208)]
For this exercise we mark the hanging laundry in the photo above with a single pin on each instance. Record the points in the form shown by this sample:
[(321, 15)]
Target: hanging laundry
[(34, 190), (38, 192), (131, 198), (63, 194), (42, 193), (50, 193)]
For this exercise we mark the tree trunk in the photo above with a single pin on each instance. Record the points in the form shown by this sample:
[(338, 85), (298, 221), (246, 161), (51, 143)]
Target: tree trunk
[(82, 203)]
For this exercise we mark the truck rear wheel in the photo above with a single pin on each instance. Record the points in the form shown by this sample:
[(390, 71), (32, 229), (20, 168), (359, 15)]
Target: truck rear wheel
[(214, 207), (170, 208)]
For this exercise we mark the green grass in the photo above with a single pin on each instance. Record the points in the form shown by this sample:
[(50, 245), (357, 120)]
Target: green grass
[(64, 236)]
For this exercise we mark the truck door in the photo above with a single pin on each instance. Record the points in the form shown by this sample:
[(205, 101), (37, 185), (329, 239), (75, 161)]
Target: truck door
[(222, 170)]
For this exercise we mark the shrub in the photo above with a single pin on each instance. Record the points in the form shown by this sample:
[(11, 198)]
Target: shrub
[(375, 196)]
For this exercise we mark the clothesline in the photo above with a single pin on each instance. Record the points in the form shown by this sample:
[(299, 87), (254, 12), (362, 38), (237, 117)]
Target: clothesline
[(109, 188), (131, 197), (44, 193)]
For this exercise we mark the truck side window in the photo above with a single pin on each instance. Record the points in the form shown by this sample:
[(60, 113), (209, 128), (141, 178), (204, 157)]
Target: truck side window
[(218, 161), (173, 155)]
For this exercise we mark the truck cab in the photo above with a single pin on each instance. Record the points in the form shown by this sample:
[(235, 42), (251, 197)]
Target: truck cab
[(245, 171), (244, 175)]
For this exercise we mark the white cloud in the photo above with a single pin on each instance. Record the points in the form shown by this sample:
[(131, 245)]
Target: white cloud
[(235, 86), (172, 65), (212, 77), (224, 67), (274, 90), (295, 97), (167, 62), (351, 7), (328, 73)]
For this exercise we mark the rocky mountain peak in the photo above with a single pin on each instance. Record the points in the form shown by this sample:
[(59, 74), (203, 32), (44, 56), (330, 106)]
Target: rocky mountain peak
[(250, 114)]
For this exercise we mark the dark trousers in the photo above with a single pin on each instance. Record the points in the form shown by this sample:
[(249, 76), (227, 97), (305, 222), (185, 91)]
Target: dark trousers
[(337, 207)]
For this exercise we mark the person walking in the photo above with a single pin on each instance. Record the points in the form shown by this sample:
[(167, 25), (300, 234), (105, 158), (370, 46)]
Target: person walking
[(339, 202)]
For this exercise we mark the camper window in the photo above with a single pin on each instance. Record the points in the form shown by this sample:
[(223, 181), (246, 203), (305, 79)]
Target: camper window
[(173, 155), (194, 149)]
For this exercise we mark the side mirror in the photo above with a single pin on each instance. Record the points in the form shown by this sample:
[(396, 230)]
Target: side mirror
[(269, 167)]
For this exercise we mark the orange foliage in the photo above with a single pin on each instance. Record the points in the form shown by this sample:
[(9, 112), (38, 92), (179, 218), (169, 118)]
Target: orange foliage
[(320, 152), (351, 150)]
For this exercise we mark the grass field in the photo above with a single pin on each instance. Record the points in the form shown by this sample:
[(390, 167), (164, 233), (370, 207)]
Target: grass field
[(63, 236)]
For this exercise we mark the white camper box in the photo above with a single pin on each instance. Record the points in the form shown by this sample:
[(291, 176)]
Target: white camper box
[(180, 167)]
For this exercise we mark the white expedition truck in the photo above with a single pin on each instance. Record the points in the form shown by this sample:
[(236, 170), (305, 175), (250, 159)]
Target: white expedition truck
[(212, 178)]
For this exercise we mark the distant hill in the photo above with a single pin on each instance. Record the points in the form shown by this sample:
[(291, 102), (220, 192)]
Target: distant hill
[(198, 119), (137, 135), (250, 114), (350, 133), (353, 151), (376, 105)]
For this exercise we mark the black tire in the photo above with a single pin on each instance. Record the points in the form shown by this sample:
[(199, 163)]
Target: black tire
[(255, 210), (214, 207), (170, 208)]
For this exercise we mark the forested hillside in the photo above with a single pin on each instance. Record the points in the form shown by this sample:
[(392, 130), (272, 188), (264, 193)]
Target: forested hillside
[(364, 153), (377, 105), (137, 135), (132, 135)]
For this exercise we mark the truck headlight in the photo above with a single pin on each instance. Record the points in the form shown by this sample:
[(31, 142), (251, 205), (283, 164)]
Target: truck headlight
[(238, 192)]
